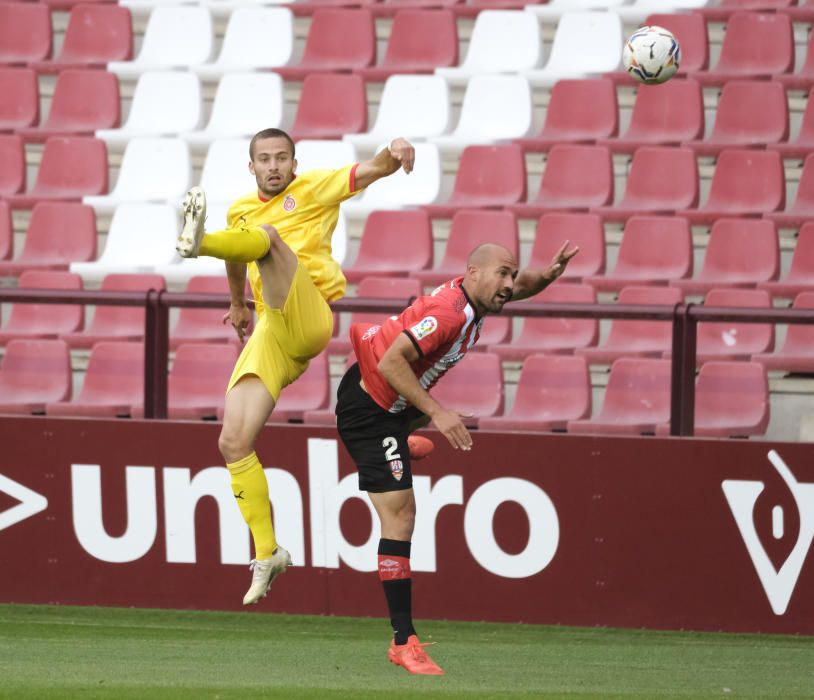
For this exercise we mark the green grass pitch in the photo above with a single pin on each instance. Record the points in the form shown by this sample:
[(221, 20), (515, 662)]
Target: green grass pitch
[(81, 652)]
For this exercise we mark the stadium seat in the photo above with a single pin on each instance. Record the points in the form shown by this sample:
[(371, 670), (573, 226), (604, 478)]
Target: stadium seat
[(599, 36), (802, 79), (164, 104), (473, 388), (393, 244), (637, 399), (750, 113), (311, 392), (567, 120), (58, 234), (71, 167), (420, 41), (553, 10), (141, 236), (745, 183), (551, 390), (400, 190), (689, 29), (648, 191), (583, 230), (800, 277), (21, 104), (472, 8), (388, 8), (724, 9), (803, 208), (327, 416), (495, 108), (755, 45), (316, 154), (502, 41), (802, 12), (6, 232), (739, 254), (246, 45), (576, 178), (330, 106), (339, 39), (803, 144), (797, 353), (654, 251), (487, 176), (203, 325), (494, 331), (83, 101), (12, 165), (663, 115), (165, 46), (551, 334), (43, 320), (471, 228), (152, 170), (412, 106), (96, 34), (116, 322), (233, 116), (25, 32), (225, 175), (113, 383), (34, 373), (636, 338)]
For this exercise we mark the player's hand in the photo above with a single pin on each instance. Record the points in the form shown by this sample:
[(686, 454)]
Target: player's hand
[(453, 429), (239, 315), (404, 152), (560, 261)]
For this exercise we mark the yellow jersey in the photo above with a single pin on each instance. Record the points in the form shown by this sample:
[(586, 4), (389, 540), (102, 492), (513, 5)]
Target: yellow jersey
[(305, 215)]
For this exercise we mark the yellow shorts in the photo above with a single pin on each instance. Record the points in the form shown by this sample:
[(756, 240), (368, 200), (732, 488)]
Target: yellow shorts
[(286, 340)]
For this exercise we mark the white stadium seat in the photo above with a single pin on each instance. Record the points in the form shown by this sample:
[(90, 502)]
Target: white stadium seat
[(638, 10), (554, 9), (319, 154), (142, 8), (223, 8), (225, 175)]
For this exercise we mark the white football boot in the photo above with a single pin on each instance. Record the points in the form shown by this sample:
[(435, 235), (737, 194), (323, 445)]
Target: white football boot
[(189, 242), (264, 573)]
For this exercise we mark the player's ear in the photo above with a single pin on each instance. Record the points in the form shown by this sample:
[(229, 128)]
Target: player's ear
[(251, 167), (294, 166)]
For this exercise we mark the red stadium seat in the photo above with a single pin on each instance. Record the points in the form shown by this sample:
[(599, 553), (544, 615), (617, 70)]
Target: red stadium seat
[(654, 250), (306, 8), (576, 178), (327, 416), (25, 32), (12, 165), (34, 373), (634, 338), (803, 145), (393, 243), (96, 35), (802, 79), (750, 113), (582, 230), (388, 8), (553, 335), (637, 399), (339, 39), (203, 325), (71, 167), (745, 183), (420, 41), (800, 277), (649, 191), (724, 9), (739, 254), (21, 104), (802, 12), (114, 382), (44, 320), (803, 208), (6, 232), (83, 101), (567, 120), (755, 45), (797, 353), (471, 8), (487, 177), (471, 228), (123, 323), (473, 388), (551, 390), (495, 330), (330, 106), (59, 233), (311, 392), (665, 115)]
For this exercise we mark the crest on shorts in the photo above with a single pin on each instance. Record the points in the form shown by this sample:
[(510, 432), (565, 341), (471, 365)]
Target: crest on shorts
[(397, 468), (424, 327), (289, 203)]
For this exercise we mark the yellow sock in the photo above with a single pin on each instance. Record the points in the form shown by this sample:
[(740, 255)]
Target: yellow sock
[(251, 491), (236, 244)]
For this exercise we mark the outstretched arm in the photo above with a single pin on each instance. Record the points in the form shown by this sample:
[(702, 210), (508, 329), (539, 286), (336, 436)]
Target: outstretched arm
[(531, 282), (399, 154)]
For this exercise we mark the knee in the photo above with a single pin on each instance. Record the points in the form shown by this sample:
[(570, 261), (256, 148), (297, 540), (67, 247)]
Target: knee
[(233, 446), (404, 522)]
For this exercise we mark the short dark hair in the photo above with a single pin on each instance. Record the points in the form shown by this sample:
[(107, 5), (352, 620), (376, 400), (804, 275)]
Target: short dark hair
[(270, 134)]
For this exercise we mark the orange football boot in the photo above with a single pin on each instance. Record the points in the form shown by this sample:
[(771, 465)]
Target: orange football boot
[(413, 657)]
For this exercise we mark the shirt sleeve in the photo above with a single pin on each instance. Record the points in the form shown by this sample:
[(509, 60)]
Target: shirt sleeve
[(335, 186), (432, 327)]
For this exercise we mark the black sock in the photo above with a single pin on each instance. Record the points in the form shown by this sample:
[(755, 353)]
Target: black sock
[(394, 573)]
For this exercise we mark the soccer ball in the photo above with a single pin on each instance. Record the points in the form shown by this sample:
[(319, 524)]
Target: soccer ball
[(652, 55)]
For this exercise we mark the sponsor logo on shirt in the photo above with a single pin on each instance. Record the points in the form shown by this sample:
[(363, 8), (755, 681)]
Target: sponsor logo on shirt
[(370, 332), (289, 203), (424, 327)]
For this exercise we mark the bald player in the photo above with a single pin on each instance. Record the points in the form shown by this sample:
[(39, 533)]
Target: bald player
[(386, 395)]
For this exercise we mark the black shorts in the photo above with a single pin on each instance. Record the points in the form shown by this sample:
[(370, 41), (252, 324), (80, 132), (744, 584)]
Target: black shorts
[(375, 438)]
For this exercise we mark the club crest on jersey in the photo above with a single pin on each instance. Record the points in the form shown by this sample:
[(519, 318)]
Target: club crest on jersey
[(289, 203), (424, 327), (397, 468)]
